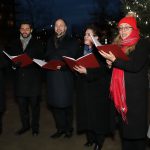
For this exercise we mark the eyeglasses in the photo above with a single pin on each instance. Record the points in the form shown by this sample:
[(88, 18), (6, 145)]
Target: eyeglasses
[(124, 28)]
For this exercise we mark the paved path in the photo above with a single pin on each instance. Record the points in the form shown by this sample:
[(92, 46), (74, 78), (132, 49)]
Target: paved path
[(8, 141)]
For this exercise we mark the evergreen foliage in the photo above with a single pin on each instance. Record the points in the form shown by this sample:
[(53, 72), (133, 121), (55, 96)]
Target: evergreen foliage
[(142, 10)]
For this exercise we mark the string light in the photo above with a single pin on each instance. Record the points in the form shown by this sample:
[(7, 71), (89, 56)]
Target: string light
[(146, 22), (142, 13)]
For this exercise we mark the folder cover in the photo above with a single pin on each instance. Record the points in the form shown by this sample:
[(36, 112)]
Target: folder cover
[(87, 61), (24, 59), (115, 49), (52, 64)]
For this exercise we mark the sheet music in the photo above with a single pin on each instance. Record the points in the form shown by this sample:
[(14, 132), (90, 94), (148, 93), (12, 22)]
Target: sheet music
[(96, 42), (9, 56), (40, 62)]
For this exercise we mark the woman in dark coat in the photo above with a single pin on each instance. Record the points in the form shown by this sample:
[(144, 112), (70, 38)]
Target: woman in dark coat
[(131, 78), (93, 103)]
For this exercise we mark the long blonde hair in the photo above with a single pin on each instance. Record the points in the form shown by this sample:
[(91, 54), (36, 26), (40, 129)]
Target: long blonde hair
[(129, 49)]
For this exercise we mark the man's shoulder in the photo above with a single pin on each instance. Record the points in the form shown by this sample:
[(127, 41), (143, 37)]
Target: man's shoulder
[(12, 42), (36, 41), (71, 39)]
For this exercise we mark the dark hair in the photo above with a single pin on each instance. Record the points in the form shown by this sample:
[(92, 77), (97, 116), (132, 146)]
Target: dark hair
[(94, 28), (26, 22)]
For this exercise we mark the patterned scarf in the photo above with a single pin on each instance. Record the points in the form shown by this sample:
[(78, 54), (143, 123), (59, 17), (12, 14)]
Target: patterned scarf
[(117, 86), (87, 50), (25, 41)]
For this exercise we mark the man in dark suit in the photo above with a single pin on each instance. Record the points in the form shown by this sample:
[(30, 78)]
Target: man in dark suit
[(60, 82), (28, 78)]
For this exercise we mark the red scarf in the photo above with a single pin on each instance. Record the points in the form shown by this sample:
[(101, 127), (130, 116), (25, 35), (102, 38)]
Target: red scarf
[(117, 86)]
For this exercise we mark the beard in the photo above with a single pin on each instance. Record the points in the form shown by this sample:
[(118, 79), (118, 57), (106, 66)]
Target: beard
[(25, 35), (59, 33)]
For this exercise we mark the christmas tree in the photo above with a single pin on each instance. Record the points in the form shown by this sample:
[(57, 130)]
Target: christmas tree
[(141, 8)]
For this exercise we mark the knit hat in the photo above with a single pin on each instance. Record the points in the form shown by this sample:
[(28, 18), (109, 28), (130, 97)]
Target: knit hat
[(129, 20)]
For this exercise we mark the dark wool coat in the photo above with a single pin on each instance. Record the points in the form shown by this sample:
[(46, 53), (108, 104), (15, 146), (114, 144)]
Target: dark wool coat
[(27, 79), (95, 111), (136, 84), (61, 82), (3, 64)]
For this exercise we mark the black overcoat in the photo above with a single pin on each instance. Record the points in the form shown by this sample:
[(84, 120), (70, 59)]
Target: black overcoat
[(136, 84), (95, 110), (61, 82), (27, 79), (3, 65)]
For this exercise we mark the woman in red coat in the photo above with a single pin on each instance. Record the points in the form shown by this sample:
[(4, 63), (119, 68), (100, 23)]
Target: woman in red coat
[(129, 84)]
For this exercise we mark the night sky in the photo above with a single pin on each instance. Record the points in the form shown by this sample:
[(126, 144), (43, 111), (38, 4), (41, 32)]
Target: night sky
[(42, 13)]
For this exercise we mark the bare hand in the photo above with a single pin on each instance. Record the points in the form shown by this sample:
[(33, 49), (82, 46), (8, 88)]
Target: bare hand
[(80, 69), (109, 56), (109, 63), (58, 67)]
